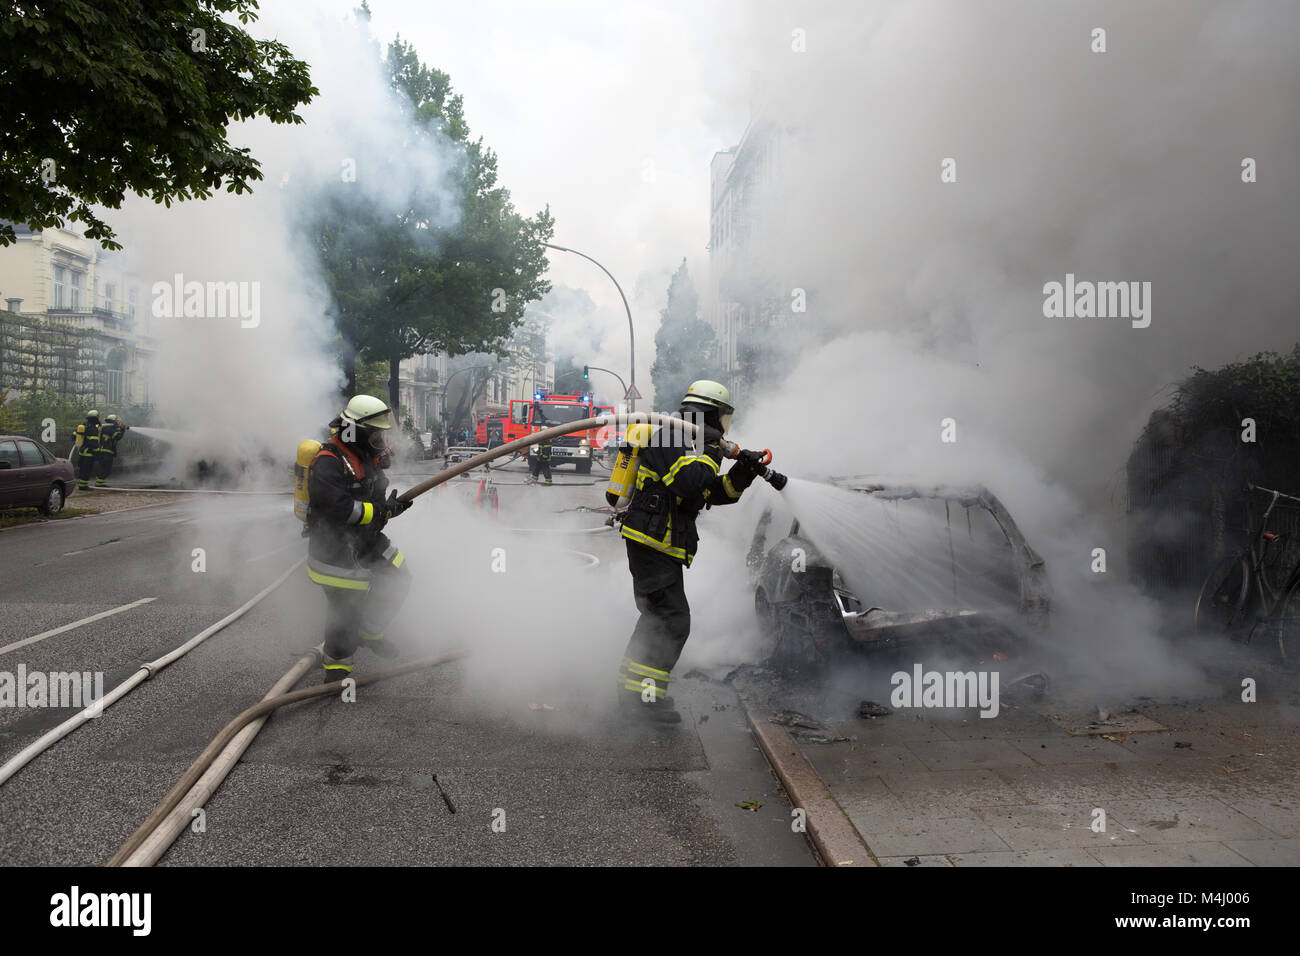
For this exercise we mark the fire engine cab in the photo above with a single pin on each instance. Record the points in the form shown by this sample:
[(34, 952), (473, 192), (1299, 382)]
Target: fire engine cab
[(545, 410)]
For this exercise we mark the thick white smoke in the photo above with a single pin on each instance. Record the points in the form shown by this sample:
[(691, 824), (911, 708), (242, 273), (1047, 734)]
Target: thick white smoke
[(251, 387), (925, 296)]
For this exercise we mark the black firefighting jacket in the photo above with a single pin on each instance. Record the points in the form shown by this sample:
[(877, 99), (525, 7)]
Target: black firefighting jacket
[(109, 435), (89, 435), (345, 524), (674, 483)]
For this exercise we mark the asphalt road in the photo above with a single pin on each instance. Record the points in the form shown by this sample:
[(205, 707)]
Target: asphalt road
[(564, 780)]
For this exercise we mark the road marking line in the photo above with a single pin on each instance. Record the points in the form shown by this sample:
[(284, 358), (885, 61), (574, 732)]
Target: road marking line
[(67, 627), (262, 557)]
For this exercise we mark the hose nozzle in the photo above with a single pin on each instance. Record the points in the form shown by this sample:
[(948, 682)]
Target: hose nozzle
[(775, 479)]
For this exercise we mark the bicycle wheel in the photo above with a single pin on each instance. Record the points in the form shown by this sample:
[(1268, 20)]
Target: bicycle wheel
[(1286, 622), (1222, 601)]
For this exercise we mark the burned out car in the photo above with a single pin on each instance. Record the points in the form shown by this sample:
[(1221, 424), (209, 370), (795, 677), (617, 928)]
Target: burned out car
[(903, 563)]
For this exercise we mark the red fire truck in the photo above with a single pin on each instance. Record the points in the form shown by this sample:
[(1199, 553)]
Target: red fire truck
[(545, 410)]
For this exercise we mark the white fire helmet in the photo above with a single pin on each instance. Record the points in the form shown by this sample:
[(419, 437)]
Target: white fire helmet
[(713, 394)]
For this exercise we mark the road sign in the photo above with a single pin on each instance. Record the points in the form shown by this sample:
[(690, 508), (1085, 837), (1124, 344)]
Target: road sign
[(632, 394)]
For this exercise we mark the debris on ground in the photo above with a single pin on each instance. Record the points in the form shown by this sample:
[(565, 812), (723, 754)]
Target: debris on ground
[(1182, 745), (913, 861), (792, 718), (751, 805), (445, 799), (1032, 685), (819, 738), (869, 710)]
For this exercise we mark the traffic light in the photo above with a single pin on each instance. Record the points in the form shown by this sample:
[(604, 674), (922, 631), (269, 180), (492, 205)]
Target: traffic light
[(585, 376)]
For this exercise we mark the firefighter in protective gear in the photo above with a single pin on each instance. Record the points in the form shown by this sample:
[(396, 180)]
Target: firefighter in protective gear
[(349, 555), (539, 460), (110, 433), (85, 446), (677, 477)]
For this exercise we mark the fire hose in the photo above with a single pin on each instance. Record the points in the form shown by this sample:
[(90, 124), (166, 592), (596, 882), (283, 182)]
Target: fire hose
[(729, 449), (145, 832)]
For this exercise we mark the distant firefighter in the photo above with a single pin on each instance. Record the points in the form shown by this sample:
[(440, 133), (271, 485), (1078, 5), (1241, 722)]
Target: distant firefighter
[(539, 460), (85, 446), (110, 433)]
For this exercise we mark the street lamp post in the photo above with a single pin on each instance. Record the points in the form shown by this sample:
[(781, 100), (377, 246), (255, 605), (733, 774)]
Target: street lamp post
[(630, 331)]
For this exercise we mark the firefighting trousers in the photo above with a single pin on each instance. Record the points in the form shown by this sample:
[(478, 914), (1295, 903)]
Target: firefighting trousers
[(661, 631), (537, 464), (103, 464), (85, 467), (362, 600)]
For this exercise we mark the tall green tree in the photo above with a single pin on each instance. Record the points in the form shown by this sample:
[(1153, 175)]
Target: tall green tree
[(685, 347), (403, 282), (102, 97)]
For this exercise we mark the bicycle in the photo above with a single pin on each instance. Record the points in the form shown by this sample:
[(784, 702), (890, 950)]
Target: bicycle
[(1247, 582)]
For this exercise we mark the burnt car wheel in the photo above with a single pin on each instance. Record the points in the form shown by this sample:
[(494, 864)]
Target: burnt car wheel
[(53, 502), (802, 643)]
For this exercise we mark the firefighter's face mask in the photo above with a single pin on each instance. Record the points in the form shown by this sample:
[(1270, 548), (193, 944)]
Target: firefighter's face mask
[(725, 419)]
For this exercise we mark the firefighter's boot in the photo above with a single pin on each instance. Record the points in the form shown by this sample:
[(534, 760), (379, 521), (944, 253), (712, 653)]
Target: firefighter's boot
[(643, 693), (337, 668)]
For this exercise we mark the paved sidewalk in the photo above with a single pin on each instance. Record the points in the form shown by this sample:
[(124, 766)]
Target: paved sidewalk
[(1181, 783)]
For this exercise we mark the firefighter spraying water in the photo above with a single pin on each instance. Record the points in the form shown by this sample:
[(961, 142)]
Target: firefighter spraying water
[(669, 481)]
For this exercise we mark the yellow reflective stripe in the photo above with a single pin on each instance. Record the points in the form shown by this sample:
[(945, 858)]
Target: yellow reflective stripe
[(650, 542), (644, 669), (397, 561), (637, 688), (687, 460), (643, 475), (367, 512), (330, 581), (367, 636), (729, 488), (338, 667)]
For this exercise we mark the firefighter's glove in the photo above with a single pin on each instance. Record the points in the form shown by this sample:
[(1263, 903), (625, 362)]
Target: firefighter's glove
[(746, 469), (393, 507)]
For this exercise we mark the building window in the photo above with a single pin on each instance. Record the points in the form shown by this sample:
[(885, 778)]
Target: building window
[(110, 297), (76, 286), (60, 286), (115, 386), (131, 297)]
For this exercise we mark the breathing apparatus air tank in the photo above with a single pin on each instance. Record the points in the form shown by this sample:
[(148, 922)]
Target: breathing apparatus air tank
[(301, 499), (622, 480)]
